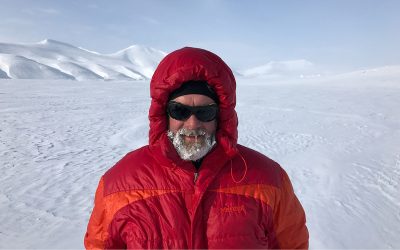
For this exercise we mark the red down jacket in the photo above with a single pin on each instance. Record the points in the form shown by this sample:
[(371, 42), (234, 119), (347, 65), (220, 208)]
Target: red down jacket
[(153, 199)]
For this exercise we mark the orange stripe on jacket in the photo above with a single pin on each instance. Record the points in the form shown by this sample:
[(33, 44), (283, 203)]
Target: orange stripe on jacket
[(289, 217), (262, 192), (105, 209)]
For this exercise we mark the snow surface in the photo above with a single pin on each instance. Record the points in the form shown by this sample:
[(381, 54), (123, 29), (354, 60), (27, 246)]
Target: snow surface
[(50, 59), (337, 137)]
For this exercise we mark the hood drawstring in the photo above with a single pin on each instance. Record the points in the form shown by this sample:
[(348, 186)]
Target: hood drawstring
[(245, 171)]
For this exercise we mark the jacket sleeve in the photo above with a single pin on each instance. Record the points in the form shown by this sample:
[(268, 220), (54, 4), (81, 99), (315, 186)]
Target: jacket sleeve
[(289, 218), (95, 234)]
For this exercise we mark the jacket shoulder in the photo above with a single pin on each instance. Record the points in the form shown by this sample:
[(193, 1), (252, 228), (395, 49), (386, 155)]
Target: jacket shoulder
[(260, 168), (127, 174)]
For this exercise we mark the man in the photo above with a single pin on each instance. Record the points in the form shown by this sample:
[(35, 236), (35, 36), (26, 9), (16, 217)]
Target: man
[(193, 186)]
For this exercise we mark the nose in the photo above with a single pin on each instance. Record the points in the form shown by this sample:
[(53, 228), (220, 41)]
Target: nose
[(192, 123)]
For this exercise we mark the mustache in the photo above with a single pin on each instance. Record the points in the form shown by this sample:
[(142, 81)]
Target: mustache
[(191, 132)]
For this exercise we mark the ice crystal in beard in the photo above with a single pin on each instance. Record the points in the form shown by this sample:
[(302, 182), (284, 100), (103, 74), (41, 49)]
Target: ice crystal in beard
[(192, 151)]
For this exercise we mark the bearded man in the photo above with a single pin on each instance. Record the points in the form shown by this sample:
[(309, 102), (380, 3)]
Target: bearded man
[(193, 186)]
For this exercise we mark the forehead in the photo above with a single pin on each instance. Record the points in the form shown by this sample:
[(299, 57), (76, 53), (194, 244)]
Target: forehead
[(194, 100)]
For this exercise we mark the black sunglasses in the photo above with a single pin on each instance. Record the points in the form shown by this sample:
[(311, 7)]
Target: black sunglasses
[(182, 112)]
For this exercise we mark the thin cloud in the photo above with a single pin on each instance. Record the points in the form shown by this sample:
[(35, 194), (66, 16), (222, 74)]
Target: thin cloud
[(40, 11), (150, 20), (15, 21), (49, 11), (93, 6)]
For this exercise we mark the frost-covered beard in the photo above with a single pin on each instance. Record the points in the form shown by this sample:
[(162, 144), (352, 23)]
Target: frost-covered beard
[(192, 151)]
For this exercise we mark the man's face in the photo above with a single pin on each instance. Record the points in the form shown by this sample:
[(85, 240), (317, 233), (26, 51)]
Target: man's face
[(192, 138)]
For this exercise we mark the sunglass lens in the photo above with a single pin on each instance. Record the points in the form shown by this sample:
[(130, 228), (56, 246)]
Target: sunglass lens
[(178, 111), (206, 114)]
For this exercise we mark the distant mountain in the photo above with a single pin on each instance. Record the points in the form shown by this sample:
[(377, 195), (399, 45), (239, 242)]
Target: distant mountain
[(50, 59), (303, 69), (273, 69)]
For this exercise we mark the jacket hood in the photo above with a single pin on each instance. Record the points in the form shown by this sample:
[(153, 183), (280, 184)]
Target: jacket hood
[(194, 64)]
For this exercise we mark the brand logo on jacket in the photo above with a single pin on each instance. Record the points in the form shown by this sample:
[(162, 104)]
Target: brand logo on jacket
[(233, 209)]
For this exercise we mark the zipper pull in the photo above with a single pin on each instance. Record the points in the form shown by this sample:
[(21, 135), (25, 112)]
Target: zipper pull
[(196, 175)]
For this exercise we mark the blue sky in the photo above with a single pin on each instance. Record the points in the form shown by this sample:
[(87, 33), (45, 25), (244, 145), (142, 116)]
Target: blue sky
[(333, 34)]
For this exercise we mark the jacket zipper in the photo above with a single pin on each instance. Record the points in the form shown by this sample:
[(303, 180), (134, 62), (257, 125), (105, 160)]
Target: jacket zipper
[(196, 175)]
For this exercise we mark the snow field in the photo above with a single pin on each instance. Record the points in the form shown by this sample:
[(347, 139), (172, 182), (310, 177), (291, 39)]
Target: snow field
[(338, 140), (340, 146)]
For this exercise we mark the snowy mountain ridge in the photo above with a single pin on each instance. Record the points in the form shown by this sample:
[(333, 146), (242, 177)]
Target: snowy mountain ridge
[(280, 68), (51, 59), (305, 70)]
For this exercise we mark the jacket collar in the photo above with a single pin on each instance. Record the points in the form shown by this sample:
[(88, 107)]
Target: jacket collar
[(166, 155)]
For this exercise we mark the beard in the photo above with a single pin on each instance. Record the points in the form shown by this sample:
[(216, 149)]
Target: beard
[(192, 150)]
